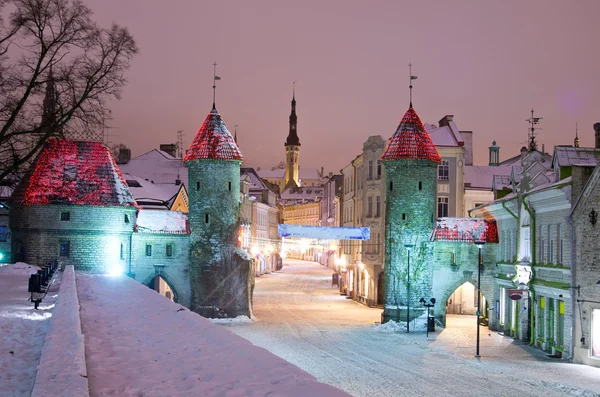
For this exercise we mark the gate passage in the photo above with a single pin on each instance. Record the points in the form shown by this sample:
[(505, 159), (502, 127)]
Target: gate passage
[(325, 232)]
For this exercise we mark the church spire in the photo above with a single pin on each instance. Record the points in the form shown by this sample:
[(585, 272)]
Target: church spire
[(49, 104), (292, 139), (576, 140)]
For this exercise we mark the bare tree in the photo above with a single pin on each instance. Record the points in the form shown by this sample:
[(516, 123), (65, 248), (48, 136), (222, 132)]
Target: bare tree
[(58, 69)]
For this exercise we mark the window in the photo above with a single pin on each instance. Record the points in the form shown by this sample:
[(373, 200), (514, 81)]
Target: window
[(420, 185), (229, 186), (378, 169), (170, 249), (3, 233), (540, 319), (403, 217), (369, 207), (442, 210), (197, 185), (443, 170), (205, 218), (65, 216), (121, 252), (148, 250), (126, 218), (370, 170), (551, 245), (561, 232), (377, 206), (391, 185), (65, 248)]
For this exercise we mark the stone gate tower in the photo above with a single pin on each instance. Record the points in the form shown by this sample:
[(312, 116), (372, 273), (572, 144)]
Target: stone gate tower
[(292, 150), (219, 276), (410, 162)]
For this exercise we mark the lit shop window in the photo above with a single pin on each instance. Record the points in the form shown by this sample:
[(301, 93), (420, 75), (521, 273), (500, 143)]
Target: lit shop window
[(596, 333)]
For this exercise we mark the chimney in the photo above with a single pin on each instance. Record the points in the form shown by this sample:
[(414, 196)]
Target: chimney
[(597, 133), (494, 154), (523, 152), (580, 175), (322, 171), (169, 148), (467, 137), (124, 156), (446, 120)]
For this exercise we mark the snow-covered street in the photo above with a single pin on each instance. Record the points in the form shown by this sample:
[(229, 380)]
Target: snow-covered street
[(302, 319)]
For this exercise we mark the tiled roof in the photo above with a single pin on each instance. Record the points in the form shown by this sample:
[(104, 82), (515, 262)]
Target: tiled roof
[(76, 172), (465, 230), (213, 141), (411, 141)]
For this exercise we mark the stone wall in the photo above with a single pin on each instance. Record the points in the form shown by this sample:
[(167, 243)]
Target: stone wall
[(220, 279), (586, 272), (90, 238), (173, 269)]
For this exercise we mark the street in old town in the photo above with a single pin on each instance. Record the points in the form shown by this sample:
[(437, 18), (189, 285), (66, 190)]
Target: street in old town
[(303, 319)]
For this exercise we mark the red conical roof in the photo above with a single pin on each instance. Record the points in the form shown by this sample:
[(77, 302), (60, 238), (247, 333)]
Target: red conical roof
[(213, 141), (411, 141), (76, 172)]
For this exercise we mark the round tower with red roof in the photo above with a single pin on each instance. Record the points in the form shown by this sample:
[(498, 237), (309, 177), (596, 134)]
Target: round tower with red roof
[(219, 278), (410, 161)]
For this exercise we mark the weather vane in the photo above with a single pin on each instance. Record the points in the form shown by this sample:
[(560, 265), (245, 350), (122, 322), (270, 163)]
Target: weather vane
[(533, 121), (410, 81), (215, 78)]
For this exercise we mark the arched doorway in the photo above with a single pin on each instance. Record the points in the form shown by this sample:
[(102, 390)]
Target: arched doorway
[(461, 306), (161, 286)]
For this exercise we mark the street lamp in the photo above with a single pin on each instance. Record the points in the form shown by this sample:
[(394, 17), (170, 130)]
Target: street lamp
[(408, 247), (479, 245)]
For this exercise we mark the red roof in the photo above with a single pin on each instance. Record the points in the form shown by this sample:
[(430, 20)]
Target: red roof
[(76, 172), (213, 141), (411, 141), (465, 230)]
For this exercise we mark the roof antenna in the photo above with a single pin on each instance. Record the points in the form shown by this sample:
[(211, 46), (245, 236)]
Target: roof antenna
[(533, 121), (215, 78), (410, 81), (576, 142)]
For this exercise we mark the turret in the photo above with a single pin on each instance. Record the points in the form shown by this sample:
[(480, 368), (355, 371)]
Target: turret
[(292, 149), (410, 161)]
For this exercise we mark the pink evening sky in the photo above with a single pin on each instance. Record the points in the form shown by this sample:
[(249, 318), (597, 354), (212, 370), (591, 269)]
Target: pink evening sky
[(486, 62)]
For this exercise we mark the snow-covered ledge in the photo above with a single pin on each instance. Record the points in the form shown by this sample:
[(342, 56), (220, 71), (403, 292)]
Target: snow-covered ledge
[(62, 370)]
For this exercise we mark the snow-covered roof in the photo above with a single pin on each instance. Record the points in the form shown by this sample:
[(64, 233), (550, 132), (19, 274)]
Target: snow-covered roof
[(303, 194), (483, 176), (213, 141), (411, 141), (159, 221), (76, 172), (465, 230), (567, 156), (255, 182), (156, 168), (279, 173), (447, 135), (144, 189)]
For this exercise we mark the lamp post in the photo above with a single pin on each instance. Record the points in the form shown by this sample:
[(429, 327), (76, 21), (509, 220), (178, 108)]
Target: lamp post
[(428, 306), (479, 245), (409, 248)]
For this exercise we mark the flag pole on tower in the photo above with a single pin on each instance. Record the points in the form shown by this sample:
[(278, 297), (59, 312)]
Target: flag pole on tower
[(410, 81), (215, 78)]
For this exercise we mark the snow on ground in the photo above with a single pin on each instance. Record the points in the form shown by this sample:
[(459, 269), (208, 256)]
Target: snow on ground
[(235, 320), (138, 343), (305, 321), (22, 329)]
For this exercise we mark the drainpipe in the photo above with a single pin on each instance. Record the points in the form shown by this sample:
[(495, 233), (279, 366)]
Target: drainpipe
[(572, 232), (533, 258)]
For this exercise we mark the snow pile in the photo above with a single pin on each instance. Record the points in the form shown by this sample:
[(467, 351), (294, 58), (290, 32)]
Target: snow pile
[(390, 327), (22, 329), (62, 366), (417, 324), (236, 320), (18, 269), (139, 343)]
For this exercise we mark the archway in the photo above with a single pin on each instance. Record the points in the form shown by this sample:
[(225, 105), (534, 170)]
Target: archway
[(161, 286), (461, 307)]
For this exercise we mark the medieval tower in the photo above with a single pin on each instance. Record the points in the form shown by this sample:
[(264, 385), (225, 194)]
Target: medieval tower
[(292, 149), (410, 162), (219, 276)]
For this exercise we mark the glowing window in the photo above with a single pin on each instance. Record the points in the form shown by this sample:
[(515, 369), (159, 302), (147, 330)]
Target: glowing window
[(65, 248), (169, 250), (148, 250)]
